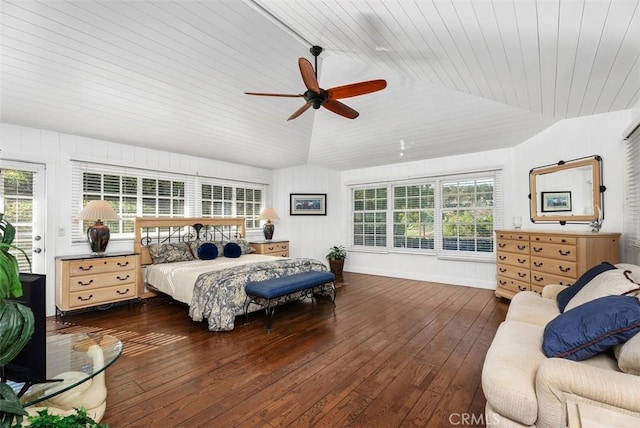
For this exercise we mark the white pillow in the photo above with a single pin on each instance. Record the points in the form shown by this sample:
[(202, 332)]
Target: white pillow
[(635, 270), (610, 283), (628, 355)]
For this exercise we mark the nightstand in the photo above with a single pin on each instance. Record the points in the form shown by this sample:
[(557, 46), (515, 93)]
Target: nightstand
[(272, 248), (94, 280)]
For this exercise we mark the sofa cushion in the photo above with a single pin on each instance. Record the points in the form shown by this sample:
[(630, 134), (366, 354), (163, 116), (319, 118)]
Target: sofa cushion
[(628, 355), (530, 307), (610, 283), (509, 371), (592, 327), (567, 294)]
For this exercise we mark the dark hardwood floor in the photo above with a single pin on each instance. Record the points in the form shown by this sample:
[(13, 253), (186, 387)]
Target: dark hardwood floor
[(392, 353)]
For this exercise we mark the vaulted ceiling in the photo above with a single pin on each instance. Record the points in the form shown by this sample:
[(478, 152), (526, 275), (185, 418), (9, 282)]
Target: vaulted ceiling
[(463, 75)]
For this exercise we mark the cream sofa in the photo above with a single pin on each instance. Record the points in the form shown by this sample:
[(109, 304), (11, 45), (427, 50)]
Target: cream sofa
[(525, 388)]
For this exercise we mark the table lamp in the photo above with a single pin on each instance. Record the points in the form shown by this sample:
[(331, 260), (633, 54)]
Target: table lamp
[(268, 214), (98, 234)]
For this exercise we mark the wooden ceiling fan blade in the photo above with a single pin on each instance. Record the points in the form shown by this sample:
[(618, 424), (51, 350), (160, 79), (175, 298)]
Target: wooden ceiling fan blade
[(355, 89), (301, 110), (341, 109), (308, 75), (263, 94)]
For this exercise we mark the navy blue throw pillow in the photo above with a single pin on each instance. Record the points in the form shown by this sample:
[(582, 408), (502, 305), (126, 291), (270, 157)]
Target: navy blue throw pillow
[(207, 251), (233, 250), (568, 293), (592, 327)]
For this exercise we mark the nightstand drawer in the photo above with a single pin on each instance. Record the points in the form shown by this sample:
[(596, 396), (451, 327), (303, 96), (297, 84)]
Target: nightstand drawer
[(86, 282), (100, 265), (100, 296), (273, 248)]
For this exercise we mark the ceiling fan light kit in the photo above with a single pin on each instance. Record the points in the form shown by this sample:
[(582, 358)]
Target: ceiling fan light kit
[(317, 97)]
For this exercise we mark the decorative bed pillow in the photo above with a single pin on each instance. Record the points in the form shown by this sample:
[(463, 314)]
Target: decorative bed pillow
[(610, 283), (194, 245), (232, 250), (207, 251), (244, 246), (170, 252), (568, 293), (634, 269), (592, 327), (628, 355)]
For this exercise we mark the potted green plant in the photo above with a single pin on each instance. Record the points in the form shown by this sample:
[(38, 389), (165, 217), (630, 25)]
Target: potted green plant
[(16, 320), (336, 257)]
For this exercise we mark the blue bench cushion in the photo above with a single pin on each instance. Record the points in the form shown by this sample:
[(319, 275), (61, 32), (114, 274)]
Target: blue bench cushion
[(277, 287)]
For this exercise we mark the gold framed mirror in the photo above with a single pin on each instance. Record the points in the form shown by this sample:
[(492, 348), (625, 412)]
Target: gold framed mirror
[(567, 192)]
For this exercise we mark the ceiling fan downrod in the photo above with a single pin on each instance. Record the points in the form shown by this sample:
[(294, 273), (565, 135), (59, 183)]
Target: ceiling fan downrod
[(315, 51)]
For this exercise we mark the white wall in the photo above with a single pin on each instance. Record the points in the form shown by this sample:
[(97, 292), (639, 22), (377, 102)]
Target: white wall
[(567, 139), (55, 150)]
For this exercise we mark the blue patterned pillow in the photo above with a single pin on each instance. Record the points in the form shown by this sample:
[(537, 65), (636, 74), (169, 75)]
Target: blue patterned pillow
[(170, 252), (592, 327), (232, 250), (207, 251)]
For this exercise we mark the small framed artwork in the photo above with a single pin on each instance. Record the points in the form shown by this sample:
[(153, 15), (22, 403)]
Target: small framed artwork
[(556, 201), (308, 204)]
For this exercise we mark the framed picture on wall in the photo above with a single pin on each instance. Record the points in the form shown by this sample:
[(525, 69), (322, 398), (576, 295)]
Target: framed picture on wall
[(308, 204), (556, 201)]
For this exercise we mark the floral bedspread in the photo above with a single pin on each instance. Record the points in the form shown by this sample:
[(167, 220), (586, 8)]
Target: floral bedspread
[(219, 296)]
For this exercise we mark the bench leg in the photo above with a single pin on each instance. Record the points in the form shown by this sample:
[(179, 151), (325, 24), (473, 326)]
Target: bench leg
[(270, 310)]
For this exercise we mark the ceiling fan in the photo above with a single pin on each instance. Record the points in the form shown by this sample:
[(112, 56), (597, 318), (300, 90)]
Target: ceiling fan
[(317, 97)]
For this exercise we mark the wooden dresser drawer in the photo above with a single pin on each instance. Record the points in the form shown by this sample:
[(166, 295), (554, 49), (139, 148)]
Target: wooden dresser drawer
[(103, 295), (540, 278), (514, 272), (554, 239), (100, 265), (557, 267), (513, 236), (512, 284), (512, 246), (514, 259), (86, 282), (554, 251)]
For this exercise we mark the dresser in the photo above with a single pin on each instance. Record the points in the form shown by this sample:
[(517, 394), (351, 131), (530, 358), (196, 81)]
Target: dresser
[(272, 248), (88, 281), (529, 260)]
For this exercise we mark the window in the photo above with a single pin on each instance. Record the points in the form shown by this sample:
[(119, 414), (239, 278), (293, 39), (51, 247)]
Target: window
[(134, 192), (631, 212), (454, 215), (370, 217), (229, 201), (17, 190)]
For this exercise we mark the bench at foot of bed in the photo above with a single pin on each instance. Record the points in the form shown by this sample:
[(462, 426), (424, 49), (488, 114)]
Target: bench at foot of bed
[(263, 292)]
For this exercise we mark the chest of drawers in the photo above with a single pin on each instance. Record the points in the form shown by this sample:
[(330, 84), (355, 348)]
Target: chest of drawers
[(529, 260), (87, 281), (272, 248)]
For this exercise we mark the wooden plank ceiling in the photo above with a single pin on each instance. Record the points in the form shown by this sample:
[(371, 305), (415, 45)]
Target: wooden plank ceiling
[(463, 76)]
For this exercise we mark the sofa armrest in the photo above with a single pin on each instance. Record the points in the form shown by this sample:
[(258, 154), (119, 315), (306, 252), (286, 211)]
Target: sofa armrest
[(550, 291), (559, 380)]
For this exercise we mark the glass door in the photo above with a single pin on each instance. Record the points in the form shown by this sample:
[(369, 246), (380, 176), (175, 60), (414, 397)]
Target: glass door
[(22, 202)]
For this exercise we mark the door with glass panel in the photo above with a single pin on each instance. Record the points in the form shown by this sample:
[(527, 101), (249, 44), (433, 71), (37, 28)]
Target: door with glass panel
[(22, 202)]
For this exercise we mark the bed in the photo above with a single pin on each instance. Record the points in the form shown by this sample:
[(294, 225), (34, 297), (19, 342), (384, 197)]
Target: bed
[(212, 287)]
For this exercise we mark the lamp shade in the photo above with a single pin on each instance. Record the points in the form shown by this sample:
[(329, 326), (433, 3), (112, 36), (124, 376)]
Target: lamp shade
[(97, 210), (268, 214), (98, 234)]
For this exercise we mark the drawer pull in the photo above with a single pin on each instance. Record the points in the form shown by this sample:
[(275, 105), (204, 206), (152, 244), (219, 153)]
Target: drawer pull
[(521, 274), (122, 292), (82, 299), (537, 249), (521, 288), (271, 248), (502, 269), (564, 253), (502, 282), (123, 264), (538, 278), (539, 292), (522, 247), (538, 264), (563, 269), (563, 240), (522, 260), (502, 257), (122, 279), (501, 244), (84, 284), (84, 269)]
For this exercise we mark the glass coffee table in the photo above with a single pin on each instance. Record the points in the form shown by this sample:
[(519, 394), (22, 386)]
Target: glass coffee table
[(75, 371)]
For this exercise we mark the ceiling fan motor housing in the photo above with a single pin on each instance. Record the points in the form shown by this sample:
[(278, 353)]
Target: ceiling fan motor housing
[(316, 100)]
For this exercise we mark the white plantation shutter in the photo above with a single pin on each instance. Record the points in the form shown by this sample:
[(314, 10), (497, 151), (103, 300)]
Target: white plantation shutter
[(631, 212)]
